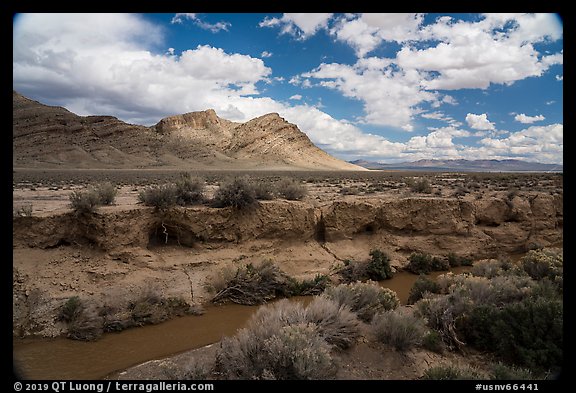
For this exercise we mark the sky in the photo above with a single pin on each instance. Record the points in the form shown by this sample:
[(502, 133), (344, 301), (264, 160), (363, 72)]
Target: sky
[(380, 87)]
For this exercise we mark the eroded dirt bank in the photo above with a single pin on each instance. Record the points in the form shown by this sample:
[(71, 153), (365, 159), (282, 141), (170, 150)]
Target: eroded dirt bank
[(119, 253)]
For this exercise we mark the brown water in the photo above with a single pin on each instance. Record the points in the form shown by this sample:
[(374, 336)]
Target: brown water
[(61, 358)]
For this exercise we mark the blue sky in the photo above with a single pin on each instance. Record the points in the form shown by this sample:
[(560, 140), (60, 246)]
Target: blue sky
[(381, 87)]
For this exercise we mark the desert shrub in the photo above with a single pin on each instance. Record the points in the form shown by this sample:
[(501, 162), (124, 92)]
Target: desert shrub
[(353, 271), (545, 263), (189, 190), (23, 211), (313, 286), (264, 191), (379, 266), (291, 352), (441, 312), (460, 191), (106, 193), (492, 268), (433, 342), (419, 263), (291, 189), (500, 371), (86, 326), (71, 309), (84, 202), (194, 370), (398, 329), (511, 315), (82, 320), (455, 260), (350, 191), (529, 333), (286, 341), (497, 290), (421, 186), (220, 279), (364, 299), (237, 193), (160, 197), (255, 284), (336, 323), (150, 307), (420, 287), (449, 372)]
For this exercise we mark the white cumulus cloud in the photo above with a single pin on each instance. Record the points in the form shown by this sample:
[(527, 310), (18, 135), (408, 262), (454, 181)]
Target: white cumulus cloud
[(366, 32), (522, 118), (479, 122), (389, 95), (266, 54), (301, 25), (296, 97), (213, 27)]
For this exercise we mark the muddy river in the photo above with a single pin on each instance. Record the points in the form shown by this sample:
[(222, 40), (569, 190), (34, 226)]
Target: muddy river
[(61, 358)]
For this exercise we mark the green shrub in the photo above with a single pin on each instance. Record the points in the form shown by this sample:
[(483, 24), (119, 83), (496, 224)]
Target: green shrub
[(529, 333), (502, 372), (364, 299), (421, 186), (433, 342), (420, 287), (82, 320), (449, 372), (398, 329), (106, 193), (313, 286), (84, 202), (455, 260), (379, 266), (71, 309), (419, 263), (238, 193), (546, 263), (291, 189), (189, 190), (87, 326), (161, 197)]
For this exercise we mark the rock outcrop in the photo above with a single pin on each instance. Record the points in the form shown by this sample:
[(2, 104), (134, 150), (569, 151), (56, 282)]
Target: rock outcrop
[(53, 137)]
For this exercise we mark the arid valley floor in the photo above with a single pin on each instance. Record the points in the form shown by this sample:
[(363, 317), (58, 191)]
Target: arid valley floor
[(127, 248)]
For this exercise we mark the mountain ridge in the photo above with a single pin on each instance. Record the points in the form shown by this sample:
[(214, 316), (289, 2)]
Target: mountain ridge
[(492, 165), (53, 137)]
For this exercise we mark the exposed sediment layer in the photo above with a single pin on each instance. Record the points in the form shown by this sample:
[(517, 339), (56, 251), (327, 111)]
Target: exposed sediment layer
[(117, 253)]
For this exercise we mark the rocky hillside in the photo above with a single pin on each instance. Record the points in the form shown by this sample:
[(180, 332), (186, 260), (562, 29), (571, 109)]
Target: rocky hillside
[(53, 137)]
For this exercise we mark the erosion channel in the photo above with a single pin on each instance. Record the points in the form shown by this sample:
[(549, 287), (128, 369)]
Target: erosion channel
[(121, 252)]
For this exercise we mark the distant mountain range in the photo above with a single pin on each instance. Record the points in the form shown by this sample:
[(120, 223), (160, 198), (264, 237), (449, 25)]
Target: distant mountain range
[(464, 166)]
